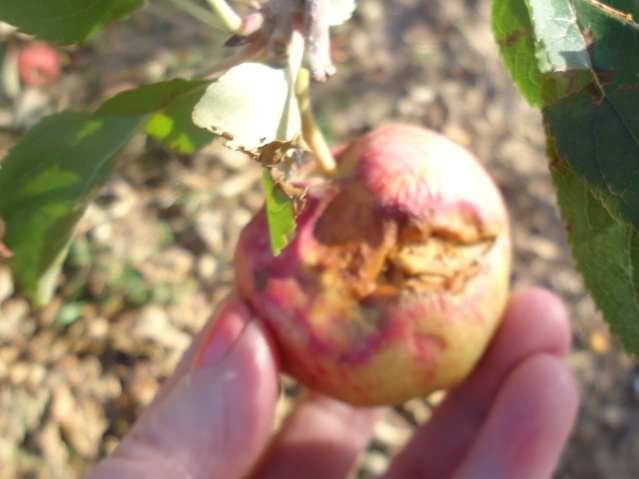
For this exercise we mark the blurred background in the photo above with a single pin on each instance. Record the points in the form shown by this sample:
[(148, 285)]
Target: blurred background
[(152, 257)]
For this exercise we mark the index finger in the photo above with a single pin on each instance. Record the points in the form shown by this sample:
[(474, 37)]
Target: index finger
[(535, 322)]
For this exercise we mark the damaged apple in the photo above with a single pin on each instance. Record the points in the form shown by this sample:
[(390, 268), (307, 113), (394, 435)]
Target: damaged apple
[(397, 277)]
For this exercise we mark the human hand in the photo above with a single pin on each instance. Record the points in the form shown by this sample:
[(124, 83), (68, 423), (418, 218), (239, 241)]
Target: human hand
[(213, 418)]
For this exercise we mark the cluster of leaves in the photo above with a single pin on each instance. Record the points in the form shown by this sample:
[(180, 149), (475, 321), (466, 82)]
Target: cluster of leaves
[(51, 176), (578, 61)]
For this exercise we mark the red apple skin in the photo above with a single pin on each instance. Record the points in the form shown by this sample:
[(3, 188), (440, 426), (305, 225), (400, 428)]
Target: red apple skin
[(398, 275), (38, 64)]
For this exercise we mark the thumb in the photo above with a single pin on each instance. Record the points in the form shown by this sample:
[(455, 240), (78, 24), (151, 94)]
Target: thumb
[(214, 416)]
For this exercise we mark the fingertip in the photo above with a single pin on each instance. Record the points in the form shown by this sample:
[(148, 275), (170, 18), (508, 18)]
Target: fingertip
[(536, 316), (540, 300), (529, 423), (535, 323)]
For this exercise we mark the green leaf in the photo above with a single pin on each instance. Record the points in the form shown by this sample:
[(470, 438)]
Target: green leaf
[(606, 253), (248, 105), (579, 61), (172, 102), (560, 39), (149, 98), (587, 83), (46, 182), (280, 214), (174, 126), (596, 130), (600, 144), (513, 30), (546, 45), (65, 21)]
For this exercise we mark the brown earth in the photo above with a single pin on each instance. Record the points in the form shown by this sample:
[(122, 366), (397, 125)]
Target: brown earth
[(152, 254)]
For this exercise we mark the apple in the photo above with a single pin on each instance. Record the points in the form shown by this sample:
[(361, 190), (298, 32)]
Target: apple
[(38, 64), (397, 277)]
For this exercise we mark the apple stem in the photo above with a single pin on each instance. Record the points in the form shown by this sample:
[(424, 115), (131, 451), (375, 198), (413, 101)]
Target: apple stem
[(310, 130)]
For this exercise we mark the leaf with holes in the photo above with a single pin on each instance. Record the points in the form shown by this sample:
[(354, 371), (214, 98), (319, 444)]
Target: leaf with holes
[(251, 106)]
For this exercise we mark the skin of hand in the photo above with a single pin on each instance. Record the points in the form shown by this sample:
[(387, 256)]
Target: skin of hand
[(213, 418)]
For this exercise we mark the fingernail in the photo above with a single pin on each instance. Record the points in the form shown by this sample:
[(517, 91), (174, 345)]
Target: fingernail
[(221, 335)]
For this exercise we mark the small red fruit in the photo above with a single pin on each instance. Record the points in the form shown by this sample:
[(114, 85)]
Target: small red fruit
[(38, 64), (397, 277)]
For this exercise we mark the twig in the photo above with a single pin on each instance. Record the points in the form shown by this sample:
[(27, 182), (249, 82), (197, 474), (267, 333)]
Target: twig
[(198, 12), (232, 21), (318, 40)]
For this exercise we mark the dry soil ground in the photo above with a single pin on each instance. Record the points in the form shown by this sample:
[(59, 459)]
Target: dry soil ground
[(152, 255)]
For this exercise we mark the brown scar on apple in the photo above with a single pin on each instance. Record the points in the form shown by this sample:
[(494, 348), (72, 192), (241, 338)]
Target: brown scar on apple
[(381, 253)]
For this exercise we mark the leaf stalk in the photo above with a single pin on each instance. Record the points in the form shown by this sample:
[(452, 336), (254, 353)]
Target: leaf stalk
[(310, 130)]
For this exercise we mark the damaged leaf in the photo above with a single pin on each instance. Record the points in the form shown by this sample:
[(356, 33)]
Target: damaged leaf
[(246, 106), (278, 151), (280, 214)]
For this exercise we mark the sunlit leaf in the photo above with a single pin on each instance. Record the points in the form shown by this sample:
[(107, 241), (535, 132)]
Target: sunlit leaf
[(561, 41), (596, 130), (280, 214), (65, 21), (149, 98), (513, 32), (247, 106), (174, 127), (46, 182), (172, 102), (579, 61)]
